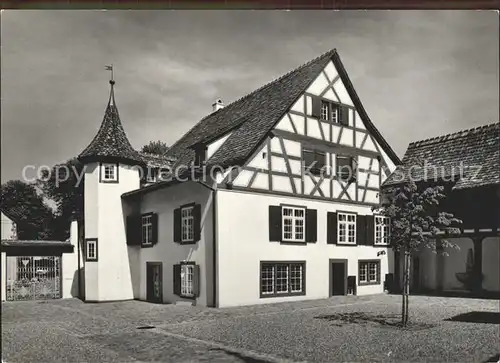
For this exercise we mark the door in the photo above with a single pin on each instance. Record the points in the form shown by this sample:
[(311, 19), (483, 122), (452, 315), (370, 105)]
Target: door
[(339, 278), (154, 285)]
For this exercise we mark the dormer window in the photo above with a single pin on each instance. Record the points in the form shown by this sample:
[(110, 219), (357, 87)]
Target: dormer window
[(200, 157), (109, 173), (151, 176)]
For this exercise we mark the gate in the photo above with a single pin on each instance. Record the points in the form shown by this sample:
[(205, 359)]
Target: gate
[(33, 277)]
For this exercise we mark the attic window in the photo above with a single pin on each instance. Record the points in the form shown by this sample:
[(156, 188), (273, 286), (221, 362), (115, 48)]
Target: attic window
[(200, 157)]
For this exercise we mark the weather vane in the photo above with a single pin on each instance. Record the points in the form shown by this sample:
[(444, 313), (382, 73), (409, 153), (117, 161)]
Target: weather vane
[(110, 68)]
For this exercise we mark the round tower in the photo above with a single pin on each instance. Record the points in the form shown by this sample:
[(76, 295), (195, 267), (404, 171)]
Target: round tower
[(111, 167)]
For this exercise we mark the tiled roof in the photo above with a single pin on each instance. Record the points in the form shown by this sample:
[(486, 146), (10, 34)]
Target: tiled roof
[(254, 115), (469, 157), (38, 243), (111, 140), (15, 213), (156, 161)]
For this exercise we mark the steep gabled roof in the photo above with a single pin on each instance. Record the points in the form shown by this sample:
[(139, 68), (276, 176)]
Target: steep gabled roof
[(469, 157), (253, 116), (13, 213), (111, 141), (156, 161)]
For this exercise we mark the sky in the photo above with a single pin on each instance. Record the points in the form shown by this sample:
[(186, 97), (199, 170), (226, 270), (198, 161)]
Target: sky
[(418, 74)]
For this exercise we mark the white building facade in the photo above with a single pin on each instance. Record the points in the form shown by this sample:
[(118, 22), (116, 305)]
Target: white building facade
[(268, 199)]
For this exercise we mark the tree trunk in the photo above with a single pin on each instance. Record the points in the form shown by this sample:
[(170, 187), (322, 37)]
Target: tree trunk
[(408, 279), (406, 287)]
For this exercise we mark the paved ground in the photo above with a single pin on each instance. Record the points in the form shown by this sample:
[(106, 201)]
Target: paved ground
[(338, 329)]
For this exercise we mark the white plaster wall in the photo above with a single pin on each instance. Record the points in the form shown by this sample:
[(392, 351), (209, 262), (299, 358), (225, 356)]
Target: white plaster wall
[(491, 263), (109, 278), (70, 265), (214, 146), (91, 215), (8, 228), (163, 202), (243, 241), (4, 276)]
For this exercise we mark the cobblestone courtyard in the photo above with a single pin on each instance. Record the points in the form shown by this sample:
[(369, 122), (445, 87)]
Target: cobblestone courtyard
[(331, 330)]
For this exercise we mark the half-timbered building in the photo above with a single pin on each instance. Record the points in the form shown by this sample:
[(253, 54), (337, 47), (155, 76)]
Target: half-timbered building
[(267, 199)]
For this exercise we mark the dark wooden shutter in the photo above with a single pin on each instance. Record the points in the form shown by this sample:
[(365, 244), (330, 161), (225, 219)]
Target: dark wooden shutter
[(311, 225), (133, 230), (197, 222), (177, 280), (196, 280), (154, 222), (316, 107), (275, 233), (370, 230), (361, 230), (177, 225), (344, 115), (331, 228)]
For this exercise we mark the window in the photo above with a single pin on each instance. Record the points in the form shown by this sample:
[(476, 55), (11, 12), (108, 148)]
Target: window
[(91, 249), (187, 280), (147, 229), (382, 225), (293, 222), (109, 172), (345, 167), (314, 160), (369, 272), (187, 224), (151, 175), (346, 224), (282, 278), (329, 111)]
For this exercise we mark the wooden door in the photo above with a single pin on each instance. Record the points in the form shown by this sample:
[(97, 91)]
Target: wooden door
[(154, 283), (339, 278)]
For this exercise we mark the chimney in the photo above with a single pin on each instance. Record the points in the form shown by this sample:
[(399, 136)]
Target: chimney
[(217, 105)]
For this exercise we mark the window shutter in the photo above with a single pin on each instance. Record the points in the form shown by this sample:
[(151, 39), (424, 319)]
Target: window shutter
[(370, 230), (275, 233), (177, 280), (196, 280), (311, 225), (361, 230), (316, 107), (177, 225), (197, 222), (344, 114), (331, 228), (133, 230), (154, 222)]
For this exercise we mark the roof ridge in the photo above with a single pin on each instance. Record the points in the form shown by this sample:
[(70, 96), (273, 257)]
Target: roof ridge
[(332, 51), (452, 135)]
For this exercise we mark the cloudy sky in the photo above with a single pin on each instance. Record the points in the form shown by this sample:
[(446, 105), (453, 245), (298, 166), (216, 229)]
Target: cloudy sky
[(418, 73)]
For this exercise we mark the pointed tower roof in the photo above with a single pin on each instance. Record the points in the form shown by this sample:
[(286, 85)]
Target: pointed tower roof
[(111, 142)]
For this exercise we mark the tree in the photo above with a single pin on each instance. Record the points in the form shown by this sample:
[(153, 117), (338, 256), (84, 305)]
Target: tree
[(34, 218), (155, 147), (416, 219), (64, 186)]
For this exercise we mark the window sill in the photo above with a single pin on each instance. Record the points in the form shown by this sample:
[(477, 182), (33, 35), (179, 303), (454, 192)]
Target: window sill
[(109, 181), (368, 283), (147, 245), (191, 297), (187, 242), (295, 242), (284, 294), (381, 245), (347, 244)]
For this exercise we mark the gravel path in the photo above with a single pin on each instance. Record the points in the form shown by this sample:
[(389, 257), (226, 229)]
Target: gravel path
[(337, 329)]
